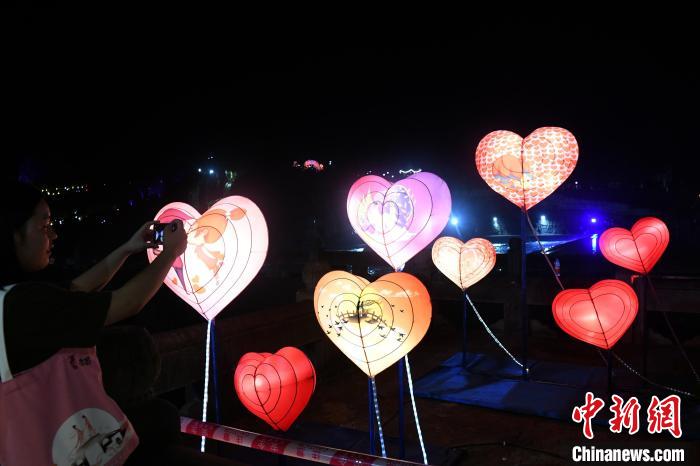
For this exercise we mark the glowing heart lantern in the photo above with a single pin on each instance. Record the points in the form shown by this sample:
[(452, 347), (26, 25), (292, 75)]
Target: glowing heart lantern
[(275, 387), (374, 324), (398, 220), (226, 247), (599, 315), (638, 249), (464, 263), (525, 171)]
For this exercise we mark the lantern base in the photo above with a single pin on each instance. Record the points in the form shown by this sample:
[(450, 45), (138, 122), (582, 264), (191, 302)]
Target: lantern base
[(552, 390)]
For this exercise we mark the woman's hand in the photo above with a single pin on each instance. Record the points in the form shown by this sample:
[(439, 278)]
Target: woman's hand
[(142, 239), (175, 240)]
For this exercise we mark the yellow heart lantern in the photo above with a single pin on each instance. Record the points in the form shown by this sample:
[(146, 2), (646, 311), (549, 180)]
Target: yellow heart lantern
[(226, 247), (525, 171), (374, 324), (464, 263)]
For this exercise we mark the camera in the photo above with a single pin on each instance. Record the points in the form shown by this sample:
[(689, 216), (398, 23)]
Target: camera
[(159, 232)]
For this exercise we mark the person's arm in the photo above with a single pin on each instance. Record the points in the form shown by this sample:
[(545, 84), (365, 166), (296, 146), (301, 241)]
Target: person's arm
[(95, 278), (130, 298)]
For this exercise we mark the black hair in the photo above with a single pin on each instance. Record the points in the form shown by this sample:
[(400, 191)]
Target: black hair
[(19, 202)]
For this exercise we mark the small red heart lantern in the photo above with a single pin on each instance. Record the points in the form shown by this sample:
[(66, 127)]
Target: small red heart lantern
[(599, 315), (637, 249), (275, 387)]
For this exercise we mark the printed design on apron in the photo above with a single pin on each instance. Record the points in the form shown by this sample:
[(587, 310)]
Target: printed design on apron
[(89, 437)]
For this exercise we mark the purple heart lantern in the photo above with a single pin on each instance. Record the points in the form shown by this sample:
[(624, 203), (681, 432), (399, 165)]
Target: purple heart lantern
[(399, 220)]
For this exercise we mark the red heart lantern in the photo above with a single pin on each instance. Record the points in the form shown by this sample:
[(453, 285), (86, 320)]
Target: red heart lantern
[(275, 387), (599, 315), (638, 249), (525, 171)]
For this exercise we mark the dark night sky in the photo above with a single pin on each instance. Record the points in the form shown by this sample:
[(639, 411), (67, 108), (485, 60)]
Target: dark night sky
[(127, 95)]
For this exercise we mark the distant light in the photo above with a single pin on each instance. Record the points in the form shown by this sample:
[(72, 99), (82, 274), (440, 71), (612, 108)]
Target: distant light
[(594, 243), (358, 250), (543, 220), (211, 172), (594, 220), (199, 170), (330, 162), (454, 221), (495, 220)]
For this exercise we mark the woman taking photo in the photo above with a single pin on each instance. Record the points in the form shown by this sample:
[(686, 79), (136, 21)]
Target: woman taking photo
[(53, 408)]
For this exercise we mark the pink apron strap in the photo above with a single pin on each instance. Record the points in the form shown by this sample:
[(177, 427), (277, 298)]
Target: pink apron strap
[(5, 374)]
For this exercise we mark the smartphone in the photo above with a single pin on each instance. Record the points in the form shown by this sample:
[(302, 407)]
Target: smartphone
[(159, 232)]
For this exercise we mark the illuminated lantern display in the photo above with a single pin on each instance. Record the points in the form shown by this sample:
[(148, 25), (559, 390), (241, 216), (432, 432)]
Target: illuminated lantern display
[(638, 249), (599, 315), (398, 220), (464, 263), (313, 165), (275, 387), (374, 324), (226, 247), (525, 171)]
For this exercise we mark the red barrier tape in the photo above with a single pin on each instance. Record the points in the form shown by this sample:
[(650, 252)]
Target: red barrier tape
[(278, 446)]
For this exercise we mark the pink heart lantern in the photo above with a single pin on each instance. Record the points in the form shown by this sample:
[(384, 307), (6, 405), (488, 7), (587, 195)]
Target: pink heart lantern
[(638, 249), (226, 247), (525, 171), (398, 220), (599, 315)]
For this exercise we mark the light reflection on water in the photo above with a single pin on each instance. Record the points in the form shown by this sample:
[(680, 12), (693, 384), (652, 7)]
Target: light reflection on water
[(586, 244)]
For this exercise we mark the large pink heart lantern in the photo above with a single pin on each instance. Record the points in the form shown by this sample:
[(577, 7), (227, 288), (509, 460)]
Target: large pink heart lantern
[(599, 315), (464, 263), (638, 249), (398, 220), (275, 387), (226, 246), (525, 171)]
